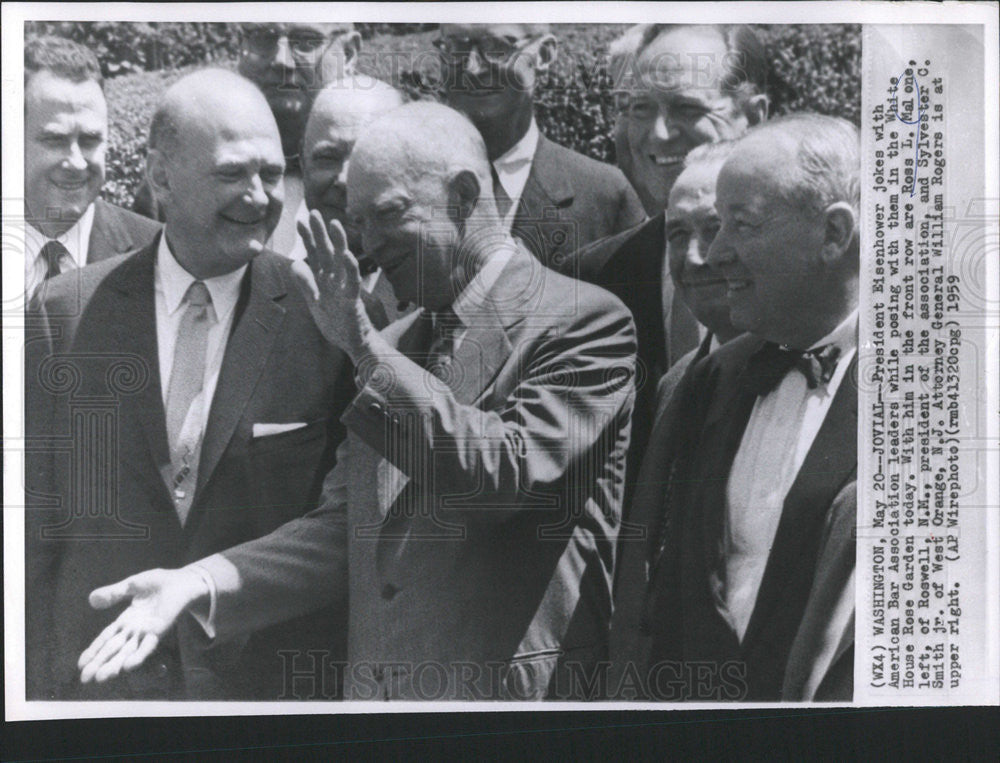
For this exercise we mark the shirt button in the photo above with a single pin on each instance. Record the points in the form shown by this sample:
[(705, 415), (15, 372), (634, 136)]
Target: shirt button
[(389, 591)]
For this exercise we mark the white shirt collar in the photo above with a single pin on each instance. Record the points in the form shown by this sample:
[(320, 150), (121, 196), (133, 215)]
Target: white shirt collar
[(76, 240), (174, 280), (515, 165), (845, 336), (470, 301)]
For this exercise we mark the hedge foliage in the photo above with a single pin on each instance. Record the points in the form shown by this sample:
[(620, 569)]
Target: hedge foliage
[(811, 68)]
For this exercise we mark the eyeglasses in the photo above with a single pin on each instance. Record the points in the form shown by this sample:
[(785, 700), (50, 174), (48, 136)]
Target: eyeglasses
[(264, 42), (493, 50)]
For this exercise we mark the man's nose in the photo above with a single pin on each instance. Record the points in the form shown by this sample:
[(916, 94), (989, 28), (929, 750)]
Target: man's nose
[(259, 192), (719, 251), (283, 54), (663, 127), (697, 251), (75, 159), (342, 175), (474, 63)]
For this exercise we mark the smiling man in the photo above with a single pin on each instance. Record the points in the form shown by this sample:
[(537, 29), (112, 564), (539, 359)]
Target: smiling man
[(225, 418), (475, 556), (553, 199), (65, 140), (753, 566), (678, 86)]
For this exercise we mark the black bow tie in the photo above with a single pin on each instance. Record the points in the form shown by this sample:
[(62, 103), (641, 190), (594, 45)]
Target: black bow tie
[(768, 366)]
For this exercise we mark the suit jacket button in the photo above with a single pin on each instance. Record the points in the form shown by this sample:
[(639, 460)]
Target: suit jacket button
[(375, 407), (161, 670), (389, 591)]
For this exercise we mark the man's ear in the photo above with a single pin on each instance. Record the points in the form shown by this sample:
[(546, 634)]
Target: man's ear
[(352, 46), (840, 229), (158, 174), (755, 109), (464, 190), (547, 52)]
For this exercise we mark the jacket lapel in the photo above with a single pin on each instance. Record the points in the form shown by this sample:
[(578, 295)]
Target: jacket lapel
[(254, 331), (547, 188), (137, 336), (830, 463)]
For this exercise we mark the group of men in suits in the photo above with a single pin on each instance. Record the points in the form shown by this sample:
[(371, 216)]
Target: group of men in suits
[(346, 496)]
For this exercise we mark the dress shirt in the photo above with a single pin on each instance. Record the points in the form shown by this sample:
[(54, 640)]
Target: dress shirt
[(77, 243), (514, 167), (171, 282), (286, 240), (781, 429)]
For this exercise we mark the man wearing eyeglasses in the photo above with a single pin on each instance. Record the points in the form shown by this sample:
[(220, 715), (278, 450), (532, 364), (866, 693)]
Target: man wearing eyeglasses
[(290, 63), (550, 197)]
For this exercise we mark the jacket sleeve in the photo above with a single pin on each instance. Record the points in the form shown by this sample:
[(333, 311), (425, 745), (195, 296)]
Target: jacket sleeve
[(569, 409)]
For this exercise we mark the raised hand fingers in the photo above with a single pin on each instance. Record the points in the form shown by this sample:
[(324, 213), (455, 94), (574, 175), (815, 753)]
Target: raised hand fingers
[(305, 232), (324, 255), (304, 277), (113, 665), (146, 647), (109, 595), (98, 643)]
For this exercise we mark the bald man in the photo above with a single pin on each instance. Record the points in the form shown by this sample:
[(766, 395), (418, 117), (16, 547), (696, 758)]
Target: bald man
[(474, 548), (338, 115), (225, 401)]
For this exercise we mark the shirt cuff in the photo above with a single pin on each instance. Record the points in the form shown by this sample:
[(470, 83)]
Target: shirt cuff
[(205, 620)]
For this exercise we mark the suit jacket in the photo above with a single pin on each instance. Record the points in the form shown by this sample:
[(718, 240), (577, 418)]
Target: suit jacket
[(484, 571), (630, 266), (111, 514), (629, 644), (117, 231), (570, 200), (698, 438)]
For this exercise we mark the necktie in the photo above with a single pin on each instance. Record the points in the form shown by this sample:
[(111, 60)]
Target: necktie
[(503, 201), (186, 379), (445, 329), (52, 255)]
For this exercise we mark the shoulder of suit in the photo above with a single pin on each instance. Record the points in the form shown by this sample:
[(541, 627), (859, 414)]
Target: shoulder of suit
[(595, 256), (731, 356), (138, 224), (78, 285), (606, 176)]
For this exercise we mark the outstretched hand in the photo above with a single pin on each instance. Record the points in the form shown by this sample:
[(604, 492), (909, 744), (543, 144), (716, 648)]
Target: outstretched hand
[(330, 280), (158, 597)]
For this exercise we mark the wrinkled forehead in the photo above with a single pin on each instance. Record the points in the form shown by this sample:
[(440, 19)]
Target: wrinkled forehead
[(49, 92), (694, 189), (682, 58)]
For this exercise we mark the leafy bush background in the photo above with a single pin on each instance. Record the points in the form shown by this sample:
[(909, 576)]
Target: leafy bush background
[(811, 68)]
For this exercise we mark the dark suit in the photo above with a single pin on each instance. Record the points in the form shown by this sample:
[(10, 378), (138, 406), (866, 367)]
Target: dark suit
[(698, 438), (629, 644), (570, 200), (491, 569), (630, 266), (104, 390), (117, 231)]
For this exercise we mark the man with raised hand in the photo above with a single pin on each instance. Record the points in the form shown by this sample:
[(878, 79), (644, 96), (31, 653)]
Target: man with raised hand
[(225, 401), (470, 521), (65, 140), (553, 199), (751, 594)]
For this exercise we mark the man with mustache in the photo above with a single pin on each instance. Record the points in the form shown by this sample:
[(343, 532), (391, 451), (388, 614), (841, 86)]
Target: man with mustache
[(225, 395), (471, 518), (753, 467), (551, 198), (65, 140)]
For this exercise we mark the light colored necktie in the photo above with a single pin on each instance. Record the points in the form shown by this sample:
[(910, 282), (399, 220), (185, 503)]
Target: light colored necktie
[(184, 420), (502, 200)]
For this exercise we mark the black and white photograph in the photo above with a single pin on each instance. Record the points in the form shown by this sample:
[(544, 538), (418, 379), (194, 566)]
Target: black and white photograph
[(511, 358)]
